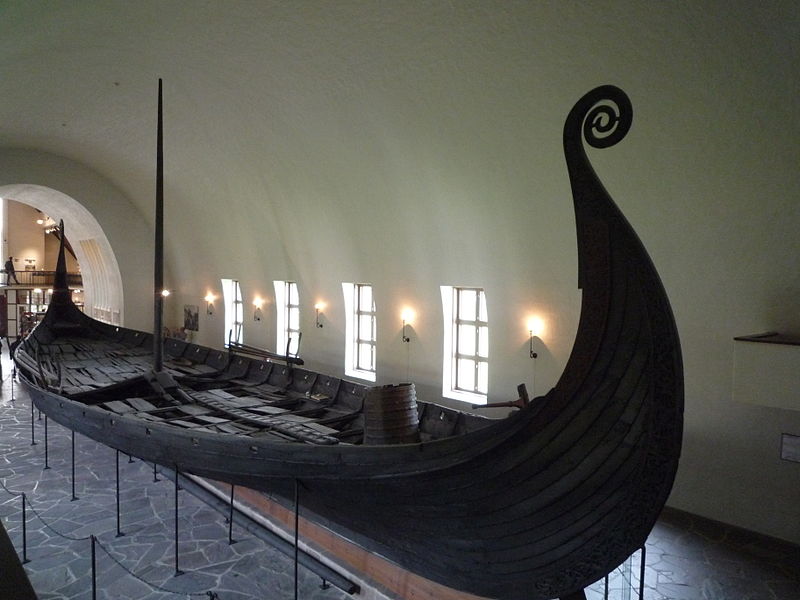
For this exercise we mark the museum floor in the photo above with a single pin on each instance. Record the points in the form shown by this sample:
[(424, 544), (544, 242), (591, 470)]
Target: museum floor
[(687, 558)]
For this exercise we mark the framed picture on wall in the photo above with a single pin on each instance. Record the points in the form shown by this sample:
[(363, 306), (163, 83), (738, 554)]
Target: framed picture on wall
[(191, 317)]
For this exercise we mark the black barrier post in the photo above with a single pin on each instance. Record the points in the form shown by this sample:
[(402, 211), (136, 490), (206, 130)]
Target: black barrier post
[(177, 570), (24, 532), (641, 573), (74, 497), (119, 533), (155, 474), (130, 459), (94, 572), (296, 533), (33, 418), (230, 520), (46, 463)]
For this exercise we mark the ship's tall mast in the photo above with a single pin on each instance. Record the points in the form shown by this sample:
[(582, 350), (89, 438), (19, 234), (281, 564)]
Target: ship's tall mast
[(158, 268)]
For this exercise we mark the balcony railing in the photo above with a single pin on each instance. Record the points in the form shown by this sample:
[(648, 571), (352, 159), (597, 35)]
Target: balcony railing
[(40, 279)]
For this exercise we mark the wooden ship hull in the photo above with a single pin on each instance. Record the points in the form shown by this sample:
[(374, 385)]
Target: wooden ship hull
[(531, 507)]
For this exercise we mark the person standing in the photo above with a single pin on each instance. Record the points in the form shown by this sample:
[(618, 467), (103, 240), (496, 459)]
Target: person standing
[(10, 271)]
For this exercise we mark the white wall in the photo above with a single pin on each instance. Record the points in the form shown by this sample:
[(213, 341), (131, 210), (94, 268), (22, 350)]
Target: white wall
[(415, 144), (24, 237), (51, 246)]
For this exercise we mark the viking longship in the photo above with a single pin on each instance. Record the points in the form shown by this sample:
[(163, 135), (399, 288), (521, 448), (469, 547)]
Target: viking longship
[(534, 506)]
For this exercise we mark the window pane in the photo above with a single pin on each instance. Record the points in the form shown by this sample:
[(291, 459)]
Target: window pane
[(295, 340), (365, 327), (483, 342), (466, 375), (483, 378), (466, 339), (466, 305), (293, 298), (365, 297), (483, 314), (365, 357), (294, 318)]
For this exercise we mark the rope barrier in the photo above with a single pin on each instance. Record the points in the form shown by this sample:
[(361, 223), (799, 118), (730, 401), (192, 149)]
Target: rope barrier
[(51, 528), (209, 594)]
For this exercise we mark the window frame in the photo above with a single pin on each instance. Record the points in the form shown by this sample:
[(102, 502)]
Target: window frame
[(234, 311), (455, 358), (358, 336), (284, 290)]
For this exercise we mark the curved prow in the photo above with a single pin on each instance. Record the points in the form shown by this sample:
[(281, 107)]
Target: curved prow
[(626, 359), (611, 259), (61, 293), (62, 315)]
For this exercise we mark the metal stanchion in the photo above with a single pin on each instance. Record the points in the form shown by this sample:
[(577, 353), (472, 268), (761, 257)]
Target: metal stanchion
[(177, 570), (24, 532), (605, 590), (119, 532), (130, 459), (230, 519), (641, 573), (155, 474), (296, 533), (94, 571), (46, 463), (33, 418), (74, 497)]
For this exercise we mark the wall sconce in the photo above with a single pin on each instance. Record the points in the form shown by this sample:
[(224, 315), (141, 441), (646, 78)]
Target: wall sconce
[(318, 308), (210, 303), (535, 329), (258, 302), (165, 293), (407, 315)]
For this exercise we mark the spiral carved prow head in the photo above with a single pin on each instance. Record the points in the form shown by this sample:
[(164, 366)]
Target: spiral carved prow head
[(603, 116), (606, 124)]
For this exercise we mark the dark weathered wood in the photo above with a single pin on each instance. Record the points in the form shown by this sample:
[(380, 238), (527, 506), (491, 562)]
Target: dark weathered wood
[(158, 256), (531, 507), (771, 337), (261, 353)]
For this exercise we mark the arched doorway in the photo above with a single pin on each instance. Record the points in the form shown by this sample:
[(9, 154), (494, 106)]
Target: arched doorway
[(102, 282)]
